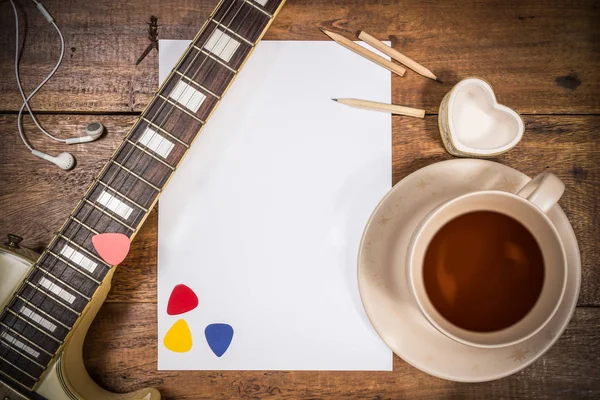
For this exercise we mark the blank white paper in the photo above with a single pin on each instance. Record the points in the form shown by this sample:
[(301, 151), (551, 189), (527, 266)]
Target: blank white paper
[(264, 217)]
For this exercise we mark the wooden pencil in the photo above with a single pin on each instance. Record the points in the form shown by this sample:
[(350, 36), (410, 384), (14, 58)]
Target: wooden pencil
[(384, 107), (396, 55), (369, 55)]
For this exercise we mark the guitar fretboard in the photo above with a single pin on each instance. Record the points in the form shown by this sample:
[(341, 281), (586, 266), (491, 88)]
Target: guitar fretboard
[(41, 314)]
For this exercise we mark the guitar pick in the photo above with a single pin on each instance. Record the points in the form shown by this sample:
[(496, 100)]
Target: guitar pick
[(219, 337), (112, 247), (178, 337), (182, 300)]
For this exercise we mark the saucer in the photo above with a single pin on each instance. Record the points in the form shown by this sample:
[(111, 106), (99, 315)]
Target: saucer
[(383, 288)]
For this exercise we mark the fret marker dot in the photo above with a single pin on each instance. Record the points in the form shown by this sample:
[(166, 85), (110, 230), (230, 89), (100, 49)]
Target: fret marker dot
[(182, 300), (112, 247), (178, 338)]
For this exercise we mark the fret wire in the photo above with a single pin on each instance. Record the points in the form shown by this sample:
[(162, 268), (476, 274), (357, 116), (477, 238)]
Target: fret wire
[(180, 108), (136, 175), (249, 43), (67, 263), (11, 378), (21, 354), (37, 346), (151, 155), (82, 224), (12, 390), (108, 215), (250, 2), (69, 240), (30, 304), (17, 350), (169, 134), (56, 299), (15, 367), (196, 83), (217, 59), (34, 326), (144, 209), (62, 282)]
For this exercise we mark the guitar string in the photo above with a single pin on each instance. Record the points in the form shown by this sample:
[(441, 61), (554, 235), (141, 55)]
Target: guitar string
[(51, 269)]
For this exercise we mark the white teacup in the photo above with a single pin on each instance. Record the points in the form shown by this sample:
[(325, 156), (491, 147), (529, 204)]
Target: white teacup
[(529, 206)]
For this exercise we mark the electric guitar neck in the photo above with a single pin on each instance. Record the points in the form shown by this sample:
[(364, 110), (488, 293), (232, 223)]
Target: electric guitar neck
[(43, 312)]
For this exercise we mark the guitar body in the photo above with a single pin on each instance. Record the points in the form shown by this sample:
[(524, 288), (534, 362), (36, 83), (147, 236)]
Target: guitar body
[(67, 378)]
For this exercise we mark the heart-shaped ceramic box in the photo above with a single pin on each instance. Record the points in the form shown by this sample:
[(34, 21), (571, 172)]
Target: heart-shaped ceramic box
[(472, 123)]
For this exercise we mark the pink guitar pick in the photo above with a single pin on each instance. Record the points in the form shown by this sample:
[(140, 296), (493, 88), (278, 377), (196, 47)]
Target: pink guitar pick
[(112, 247)]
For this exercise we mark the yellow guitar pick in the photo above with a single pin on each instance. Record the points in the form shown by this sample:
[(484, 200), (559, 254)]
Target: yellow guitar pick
[(179, 337)]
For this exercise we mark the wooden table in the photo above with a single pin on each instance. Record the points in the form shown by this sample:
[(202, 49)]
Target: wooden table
[(542, 58)]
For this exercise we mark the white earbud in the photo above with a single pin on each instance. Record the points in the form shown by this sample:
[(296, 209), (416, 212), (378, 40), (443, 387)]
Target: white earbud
[(63, 160), (93, 132)]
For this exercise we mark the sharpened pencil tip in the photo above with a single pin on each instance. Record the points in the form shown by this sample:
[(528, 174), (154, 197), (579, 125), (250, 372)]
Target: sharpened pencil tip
[(438, 80), (334, 99)]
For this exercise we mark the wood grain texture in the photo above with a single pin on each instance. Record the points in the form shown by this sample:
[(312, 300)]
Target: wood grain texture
[(569, 146), (540, 56), (122, 344)]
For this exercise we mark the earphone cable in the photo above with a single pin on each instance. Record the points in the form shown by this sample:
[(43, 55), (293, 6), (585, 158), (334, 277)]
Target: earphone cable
[(48, 77)]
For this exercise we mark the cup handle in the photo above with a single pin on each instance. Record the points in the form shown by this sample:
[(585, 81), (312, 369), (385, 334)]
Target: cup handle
[(543, 191)]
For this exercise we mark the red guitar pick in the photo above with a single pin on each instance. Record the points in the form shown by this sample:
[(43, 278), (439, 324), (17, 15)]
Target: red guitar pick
[(182, 300), (112, 247)]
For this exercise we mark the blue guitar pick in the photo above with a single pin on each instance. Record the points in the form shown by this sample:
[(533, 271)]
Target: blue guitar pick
[(219, 337)]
